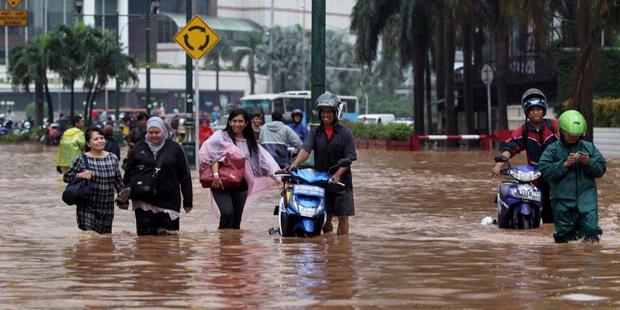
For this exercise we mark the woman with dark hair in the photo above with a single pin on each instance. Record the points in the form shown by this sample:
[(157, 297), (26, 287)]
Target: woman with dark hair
[(158, 213), (101, 168), (237, 140)]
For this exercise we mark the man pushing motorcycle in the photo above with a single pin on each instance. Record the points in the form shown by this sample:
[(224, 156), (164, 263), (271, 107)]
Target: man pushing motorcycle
[(533, 137), (331, 142)]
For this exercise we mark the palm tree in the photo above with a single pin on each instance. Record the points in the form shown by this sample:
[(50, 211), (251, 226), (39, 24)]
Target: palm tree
[(287, 57), (68, 56), (369, 20), (105, 60), (340, 54), (28, 66), (222, 51), (247, 48), (592, 18)]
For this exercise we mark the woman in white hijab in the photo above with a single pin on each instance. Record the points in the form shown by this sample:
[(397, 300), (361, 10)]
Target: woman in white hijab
[(164, 163)]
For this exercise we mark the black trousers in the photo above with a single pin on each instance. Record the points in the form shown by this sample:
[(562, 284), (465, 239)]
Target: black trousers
[(230, 203), (149, 223)]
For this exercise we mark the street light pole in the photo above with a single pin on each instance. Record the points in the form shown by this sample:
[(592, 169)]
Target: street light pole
[(147, 31)]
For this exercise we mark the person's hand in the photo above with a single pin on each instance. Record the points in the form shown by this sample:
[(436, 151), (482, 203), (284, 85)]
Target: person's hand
[(288, 168), (217, 183), (86, 174), (584, 158), (497, 169), (122, 205), (335, 179), (188, 209), (571, 159)]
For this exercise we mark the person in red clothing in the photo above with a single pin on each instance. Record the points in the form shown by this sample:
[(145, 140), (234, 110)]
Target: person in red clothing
[(205, 130), (533, 137)]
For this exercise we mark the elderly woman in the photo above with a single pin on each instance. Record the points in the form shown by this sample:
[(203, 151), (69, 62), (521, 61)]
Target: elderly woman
[(158, 212), (237, 140)]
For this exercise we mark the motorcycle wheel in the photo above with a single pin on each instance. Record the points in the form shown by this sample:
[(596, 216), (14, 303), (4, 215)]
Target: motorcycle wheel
[(522, 221)]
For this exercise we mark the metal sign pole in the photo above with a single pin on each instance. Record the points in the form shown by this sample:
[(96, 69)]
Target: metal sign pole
[(196, 112), (489, 115), (487, 78)]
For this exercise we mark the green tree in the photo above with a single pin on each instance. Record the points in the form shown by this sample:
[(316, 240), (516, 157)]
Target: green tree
[(28, 65), (369, 20), (287, 57), (592, 18), (340, 57), (222, 51), (104, 60), (68, 56), (247, 49)]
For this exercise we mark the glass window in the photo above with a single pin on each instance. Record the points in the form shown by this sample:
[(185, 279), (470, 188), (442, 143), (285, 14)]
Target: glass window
[(278, 105)]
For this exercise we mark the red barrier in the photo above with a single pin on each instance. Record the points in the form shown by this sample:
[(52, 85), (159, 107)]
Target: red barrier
[(484, 140)]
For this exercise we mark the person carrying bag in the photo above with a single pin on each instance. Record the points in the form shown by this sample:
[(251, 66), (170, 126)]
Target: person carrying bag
[(221, 157), (98, 170), (161, 183), (230, 172), (78, 192)]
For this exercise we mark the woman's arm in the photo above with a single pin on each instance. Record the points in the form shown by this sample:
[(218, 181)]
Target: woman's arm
[(217, 183)]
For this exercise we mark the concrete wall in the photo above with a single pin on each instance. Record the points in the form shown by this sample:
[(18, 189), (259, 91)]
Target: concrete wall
[(607, 140)]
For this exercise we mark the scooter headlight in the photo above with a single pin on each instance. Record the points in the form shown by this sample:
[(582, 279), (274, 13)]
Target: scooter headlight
[(524, 176)]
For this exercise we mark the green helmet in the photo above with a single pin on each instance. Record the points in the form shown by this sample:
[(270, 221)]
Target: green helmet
[(573, 123)]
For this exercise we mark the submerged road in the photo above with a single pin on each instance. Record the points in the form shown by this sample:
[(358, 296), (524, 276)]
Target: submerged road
[(416, 242)]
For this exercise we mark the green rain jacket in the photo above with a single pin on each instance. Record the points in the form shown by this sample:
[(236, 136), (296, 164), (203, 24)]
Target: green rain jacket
[(575, 183), (72, 144)]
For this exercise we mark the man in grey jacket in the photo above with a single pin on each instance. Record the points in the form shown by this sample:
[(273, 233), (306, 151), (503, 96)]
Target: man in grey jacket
[(275, 137)]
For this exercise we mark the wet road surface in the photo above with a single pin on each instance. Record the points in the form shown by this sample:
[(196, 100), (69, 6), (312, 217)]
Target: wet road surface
[(416, 242)]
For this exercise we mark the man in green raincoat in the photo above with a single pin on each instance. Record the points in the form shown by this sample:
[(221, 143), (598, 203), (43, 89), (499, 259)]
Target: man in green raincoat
[(72, 144), (571, 165)]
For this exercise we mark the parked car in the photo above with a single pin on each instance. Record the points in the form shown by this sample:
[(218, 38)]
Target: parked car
[(376, 119)]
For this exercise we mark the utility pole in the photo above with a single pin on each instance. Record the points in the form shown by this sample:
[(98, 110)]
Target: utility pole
[(318, 51), (271, 52), (147, 31), (189, 145)]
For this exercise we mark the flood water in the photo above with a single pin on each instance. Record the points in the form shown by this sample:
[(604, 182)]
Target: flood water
[(416, 242)]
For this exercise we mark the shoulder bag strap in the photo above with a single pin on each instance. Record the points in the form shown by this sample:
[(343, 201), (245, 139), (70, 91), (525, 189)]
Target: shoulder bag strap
[(85, 159)]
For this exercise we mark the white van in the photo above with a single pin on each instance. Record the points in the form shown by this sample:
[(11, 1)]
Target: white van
[(378, 119)]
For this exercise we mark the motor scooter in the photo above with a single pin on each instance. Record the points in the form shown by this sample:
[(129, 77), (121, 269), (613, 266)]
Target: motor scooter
[(301, 211), (519, 202)]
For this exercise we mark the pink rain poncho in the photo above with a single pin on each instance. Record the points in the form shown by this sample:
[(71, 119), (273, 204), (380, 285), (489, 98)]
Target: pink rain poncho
[(259, 170)]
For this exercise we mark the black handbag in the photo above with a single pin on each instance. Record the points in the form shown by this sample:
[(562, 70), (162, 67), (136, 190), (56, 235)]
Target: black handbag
[(79, 191), (144, 178)]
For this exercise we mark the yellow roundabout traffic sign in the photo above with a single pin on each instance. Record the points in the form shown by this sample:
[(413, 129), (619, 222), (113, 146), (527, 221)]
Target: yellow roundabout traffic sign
[(197, 38)]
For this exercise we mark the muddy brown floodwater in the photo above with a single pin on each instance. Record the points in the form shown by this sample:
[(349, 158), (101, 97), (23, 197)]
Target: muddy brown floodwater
[(416, 242)]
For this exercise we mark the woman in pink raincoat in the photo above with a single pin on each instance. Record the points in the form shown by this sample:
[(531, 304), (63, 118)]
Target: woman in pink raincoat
[(237, 140)]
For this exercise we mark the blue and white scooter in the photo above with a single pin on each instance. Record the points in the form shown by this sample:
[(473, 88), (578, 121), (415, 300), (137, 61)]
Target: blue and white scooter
[(519, 203), (301, 212)]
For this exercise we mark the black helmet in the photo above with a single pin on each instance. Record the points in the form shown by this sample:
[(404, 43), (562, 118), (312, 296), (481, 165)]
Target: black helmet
[(328, 100), (534, 97)]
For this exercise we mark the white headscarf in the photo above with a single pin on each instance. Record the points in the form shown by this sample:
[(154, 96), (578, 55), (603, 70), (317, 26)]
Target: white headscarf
[(159, 124)]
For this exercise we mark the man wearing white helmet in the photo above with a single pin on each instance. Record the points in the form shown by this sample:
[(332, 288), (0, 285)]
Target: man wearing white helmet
[(533, 137), (332, 142)]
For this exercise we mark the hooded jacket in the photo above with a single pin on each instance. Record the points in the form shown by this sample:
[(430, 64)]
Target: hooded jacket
[(72, 144), (276, 137), (574, 184)]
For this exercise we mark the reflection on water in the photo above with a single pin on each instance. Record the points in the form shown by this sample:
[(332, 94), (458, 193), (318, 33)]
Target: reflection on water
[(415, 242)]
